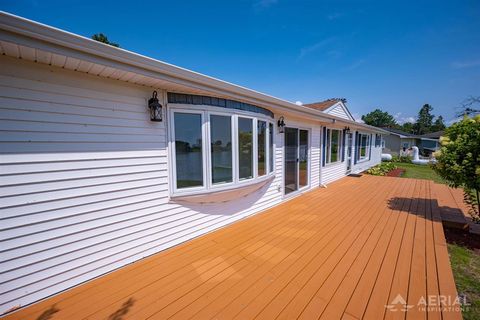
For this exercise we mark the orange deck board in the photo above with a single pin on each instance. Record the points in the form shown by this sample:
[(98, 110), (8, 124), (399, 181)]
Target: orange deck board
[(341, 252)]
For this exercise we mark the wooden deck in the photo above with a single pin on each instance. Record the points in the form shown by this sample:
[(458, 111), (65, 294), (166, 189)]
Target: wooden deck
[(342, 252)]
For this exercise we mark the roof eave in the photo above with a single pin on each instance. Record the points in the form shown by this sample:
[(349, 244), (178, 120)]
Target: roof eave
[(60, 40)]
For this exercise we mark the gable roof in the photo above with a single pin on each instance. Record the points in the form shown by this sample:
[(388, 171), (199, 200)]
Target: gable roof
[(403, 134), (334, 106), (433, 135), (322, 105), (398, 132)]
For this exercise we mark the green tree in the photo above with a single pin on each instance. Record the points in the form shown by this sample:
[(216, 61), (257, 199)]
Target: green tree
[(379, 118), (100, 37), (458, 160), (424, 120), (407, 127), (438, 125)]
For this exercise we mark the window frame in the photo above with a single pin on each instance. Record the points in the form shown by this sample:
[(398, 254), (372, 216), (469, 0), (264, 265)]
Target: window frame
[(173, 151), (328, 150), (212, 185), (208, 185), (367, 147), (271, 147), (266, 147)]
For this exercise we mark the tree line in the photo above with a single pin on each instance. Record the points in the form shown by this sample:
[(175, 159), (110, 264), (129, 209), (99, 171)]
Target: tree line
[(424, 123)]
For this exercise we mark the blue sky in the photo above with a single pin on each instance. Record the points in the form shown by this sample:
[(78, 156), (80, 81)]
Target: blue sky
[(393, 55)]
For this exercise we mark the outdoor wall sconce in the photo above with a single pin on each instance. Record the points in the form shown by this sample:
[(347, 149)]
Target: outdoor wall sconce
[(347, 130), (281, 124), (155, 108)]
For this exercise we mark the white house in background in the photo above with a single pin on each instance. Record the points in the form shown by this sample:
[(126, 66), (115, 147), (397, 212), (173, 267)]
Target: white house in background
[(89, 183)]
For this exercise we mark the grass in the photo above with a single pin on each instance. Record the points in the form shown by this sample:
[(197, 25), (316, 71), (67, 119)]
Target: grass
[(418, 172), (466, 271)]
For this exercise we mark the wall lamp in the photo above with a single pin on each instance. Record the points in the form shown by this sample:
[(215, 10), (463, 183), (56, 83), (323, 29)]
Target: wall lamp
[(347, 130), (155, 108), (281, 124)]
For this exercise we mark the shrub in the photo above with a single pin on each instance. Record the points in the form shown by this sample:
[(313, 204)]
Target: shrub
[(382, 169), (402, 159), (458, 160)]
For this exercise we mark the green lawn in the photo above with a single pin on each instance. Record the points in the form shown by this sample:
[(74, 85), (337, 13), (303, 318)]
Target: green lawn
[(419, 172), (466, 271)]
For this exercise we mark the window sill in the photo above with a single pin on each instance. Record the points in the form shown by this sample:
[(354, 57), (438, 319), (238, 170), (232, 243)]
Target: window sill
[(362, 161), (224, 194), (331, 164)]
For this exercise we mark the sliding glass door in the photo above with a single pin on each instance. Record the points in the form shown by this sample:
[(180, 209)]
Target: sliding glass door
[(296, 159)]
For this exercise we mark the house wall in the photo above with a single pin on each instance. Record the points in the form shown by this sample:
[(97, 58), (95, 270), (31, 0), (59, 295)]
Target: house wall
[(335, 171), (392, 144), (84, 181), (375, 156)]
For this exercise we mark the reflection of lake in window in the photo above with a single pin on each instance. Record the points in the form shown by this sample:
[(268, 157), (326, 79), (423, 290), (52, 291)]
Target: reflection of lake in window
[(221, 148), (245, 148), (188, 150), (262, 141), (238, 150)]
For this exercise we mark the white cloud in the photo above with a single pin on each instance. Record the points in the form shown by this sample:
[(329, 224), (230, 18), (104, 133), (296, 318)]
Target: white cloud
[(466, 64), (310, 49), (452, 121), (299, 103), (402, 119), (355, 65), (357, 117)]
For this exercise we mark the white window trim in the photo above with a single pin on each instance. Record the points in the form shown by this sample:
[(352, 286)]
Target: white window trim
[(208, 186), (328, 155), (309, 162), (266, 159), (309, 158), (367, 147), (271, 147), (173, 153)]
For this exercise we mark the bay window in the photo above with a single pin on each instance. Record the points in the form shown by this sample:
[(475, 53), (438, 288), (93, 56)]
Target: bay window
[(217, 150)]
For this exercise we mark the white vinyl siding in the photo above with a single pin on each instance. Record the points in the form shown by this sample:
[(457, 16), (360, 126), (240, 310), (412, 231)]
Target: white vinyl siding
[(339, 111), (84, 181), (335, 171)]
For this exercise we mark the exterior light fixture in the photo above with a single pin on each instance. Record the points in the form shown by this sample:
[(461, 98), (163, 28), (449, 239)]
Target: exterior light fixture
[(281, 124), (347, 130), (155, 108)]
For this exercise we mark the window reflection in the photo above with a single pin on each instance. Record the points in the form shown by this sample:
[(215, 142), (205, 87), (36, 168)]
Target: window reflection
[(261, 143), (221, 148), (245, 148), (188, 150), (272, 152)]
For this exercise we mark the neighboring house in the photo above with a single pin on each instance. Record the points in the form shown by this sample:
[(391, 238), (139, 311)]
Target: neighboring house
[(397, 142), (91, 181), (429, 143)]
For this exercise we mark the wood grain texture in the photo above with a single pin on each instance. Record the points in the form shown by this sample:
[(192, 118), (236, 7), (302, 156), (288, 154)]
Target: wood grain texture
[(342, 252)]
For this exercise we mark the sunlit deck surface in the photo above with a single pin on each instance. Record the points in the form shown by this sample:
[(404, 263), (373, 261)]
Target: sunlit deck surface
[(344, 252)]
